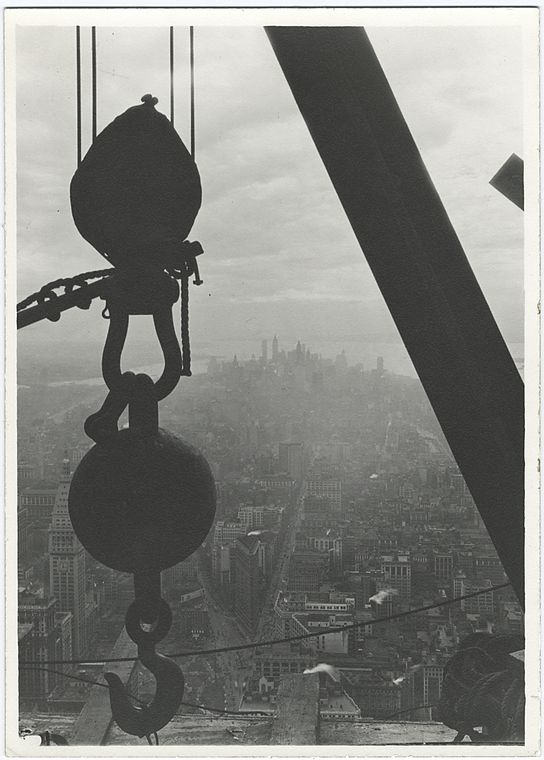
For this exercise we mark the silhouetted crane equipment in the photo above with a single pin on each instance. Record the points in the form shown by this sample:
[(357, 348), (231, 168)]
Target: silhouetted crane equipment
[(142, 500), (137, 192)]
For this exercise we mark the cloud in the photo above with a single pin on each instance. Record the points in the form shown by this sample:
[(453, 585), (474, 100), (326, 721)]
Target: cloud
[(280, 254), (298, 295)]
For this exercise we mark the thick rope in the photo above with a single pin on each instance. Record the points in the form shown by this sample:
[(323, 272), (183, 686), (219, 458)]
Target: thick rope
[(185, 339), (64, 282), (172, 75), (192, 65), (93, 67), (78, 93)]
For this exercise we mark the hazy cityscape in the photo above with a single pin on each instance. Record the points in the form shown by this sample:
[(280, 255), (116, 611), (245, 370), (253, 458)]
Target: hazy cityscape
[(355, 197), (338, 501)]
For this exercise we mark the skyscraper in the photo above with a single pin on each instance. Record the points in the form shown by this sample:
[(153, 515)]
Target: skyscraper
[(67, 564), (397, 571), (275, 349), (38, 636), (291, 459), (264, 351), (329, 488), (247, 582)]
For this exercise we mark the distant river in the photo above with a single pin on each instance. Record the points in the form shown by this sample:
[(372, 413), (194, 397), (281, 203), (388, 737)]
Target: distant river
[(395, 356), (154, 370)]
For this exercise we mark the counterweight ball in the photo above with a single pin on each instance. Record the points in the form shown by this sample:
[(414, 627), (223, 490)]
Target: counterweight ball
[(142, 503)]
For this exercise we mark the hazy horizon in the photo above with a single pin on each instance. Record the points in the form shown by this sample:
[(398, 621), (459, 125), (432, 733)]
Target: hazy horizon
[(280, 255)]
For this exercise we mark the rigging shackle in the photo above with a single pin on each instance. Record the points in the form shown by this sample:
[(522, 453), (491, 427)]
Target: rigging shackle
[(103, 424), (143, 291)]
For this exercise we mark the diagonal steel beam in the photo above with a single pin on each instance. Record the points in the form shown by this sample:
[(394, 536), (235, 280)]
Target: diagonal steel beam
[(509, 180), (419, 265)]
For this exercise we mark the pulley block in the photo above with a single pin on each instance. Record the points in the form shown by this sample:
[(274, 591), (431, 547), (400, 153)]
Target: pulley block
[(137, 191)]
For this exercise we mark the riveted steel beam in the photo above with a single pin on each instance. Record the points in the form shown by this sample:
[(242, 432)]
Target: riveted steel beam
[(419, 265)]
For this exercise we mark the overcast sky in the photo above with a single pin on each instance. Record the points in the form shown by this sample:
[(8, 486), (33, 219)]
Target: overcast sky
[(280, 256)]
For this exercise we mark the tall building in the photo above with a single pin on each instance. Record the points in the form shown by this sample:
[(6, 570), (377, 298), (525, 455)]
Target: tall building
[(22, 535), (291, 456), (221, 566), (247, 582), (397, 572), (67, 564), (275, 349), (443, 564), (37, 504), (63, 624), (428, 685), (227, 531), (307, 570), (326, 488), (26, 473), (483, 604), (27, 651), (38, 636), (264, 351), (266, 516)]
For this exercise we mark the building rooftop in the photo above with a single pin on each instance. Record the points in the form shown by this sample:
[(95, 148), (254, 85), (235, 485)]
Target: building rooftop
[(23, 629), (255, 730), (335, 704), (249, 542), (296, 720)]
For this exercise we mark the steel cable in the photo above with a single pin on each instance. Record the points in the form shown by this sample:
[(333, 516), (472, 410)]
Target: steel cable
[(284, 640)]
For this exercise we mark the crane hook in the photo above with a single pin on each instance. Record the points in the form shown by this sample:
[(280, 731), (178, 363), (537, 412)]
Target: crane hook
[(144, 721)]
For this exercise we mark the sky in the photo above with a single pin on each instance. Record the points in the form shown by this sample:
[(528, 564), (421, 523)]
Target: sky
[(280, 255)]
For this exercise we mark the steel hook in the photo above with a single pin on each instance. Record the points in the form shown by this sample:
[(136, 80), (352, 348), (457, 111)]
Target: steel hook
[(143, 721)]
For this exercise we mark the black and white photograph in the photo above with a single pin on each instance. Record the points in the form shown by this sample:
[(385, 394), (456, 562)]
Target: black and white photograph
[(272, 401)]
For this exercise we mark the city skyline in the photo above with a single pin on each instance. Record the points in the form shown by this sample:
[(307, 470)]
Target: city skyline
[(260, 276)]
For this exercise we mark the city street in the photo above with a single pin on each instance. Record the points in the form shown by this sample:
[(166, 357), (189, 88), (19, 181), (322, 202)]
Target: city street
[(266, 628), (232, 667)]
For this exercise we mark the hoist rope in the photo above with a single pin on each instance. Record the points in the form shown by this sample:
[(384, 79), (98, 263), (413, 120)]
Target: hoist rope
[(286, 639), (246, 713), (184, 296), (172, 75), (192, 67), (93, 70), (185, 338), (220, 711), (78, 93)]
